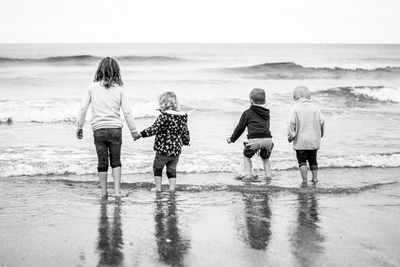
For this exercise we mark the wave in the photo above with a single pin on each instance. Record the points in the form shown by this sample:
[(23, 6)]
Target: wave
[(42, 160), (291, 70), (365, 93), (58, 110), (86, 59)]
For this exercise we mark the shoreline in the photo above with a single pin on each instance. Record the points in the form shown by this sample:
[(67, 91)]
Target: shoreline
[(51, 222)]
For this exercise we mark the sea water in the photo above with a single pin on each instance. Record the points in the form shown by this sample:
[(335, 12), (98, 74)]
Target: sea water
[(356, 87), (51, 213)]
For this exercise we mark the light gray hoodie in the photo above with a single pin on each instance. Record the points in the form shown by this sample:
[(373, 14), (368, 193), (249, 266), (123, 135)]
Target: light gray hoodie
[(106, 106), (306, 125)]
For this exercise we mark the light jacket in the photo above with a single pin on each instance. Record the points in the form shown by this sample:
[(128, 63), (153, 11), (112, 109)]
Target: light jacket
[(106, 106), (306, 125)]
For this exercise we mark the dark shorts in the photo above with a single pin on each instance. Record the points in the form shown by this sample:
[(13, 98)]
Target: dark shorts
[(160, 161), (307, 155), (262, 145), (108, 143)]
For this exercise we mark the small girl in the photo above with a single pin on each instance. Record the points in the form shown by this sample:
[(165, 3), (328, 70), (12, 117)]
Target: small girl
[(171, 133), (107, 97)]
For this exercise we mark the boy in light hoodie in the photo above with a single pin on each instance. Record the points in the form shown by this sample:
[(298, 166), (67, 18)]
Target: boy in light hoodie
[(306, 127)]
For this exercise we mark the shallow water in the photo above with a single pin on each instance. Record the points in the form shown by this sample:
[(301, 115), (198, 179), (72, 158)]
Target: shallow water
[(356, 87), (46, 221)]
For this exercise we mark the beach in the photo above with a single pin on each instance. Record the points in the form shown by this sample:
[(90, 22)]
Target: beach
[(48, 221), (52, 214)]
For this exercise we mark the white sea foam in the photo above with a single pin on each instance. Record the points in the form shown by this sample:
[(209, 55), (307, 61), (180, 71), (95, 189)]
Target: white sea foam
[(58, 110), (385, 94), (40, 160)]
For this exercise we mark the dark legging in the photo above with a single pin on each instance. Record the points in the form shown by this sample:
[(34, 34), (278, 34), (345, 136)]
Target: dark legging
[(108, 143)]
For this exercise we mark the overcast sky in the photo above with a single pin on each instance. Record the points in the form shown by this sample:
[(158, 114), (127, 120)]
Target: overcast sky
[(299, 21)]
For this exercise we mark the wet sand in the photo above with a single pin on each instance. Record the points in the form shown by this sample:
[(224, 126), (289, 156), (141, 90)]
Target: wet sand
[(61, 221)]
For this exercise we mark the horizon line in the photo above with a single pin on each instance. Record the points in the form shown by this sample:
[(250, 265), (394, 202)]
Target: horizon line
[(200, 43)]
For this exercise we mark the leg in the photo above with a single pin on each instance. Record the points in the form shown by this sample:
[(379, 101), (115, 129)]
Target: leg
[(303, 172), (116, 173), (314, 176), (158, 166), (115, 143), (312, 160), (157, 181), (103, 184), (248, 166), (172, 184), (267, 168), (265, 154), (102, 157), (302, 160), (171, 172)]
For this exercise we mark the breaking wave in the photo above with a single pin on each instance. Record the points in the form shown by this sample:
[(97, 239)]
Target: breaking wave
[(366, 93), (291, 70), (86, 59), (57, 110), (43, 160)]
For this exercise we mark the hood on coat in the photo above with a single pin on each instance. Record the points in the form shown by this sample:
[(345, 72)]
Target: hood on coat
[(261, 111)]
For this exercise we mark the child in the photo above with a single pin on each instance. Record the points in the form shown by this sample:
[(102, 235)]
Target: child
[(305, 128), (171, 133), (257, 121), (107, 97)]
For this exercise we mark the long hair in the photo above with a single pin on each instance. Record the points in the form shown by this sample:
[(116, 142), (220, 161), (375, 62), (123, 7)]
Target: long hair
[(108, 73), (167, 101)]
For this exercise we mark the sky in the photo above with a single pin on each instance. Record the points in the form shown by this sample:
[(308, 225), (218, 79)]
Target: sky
[(200, 21)]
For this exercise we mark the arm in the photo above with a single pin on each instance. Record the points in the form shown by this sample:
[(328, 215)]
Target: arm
[(155, 128), (126, 109), (186, 136), (239, 128), (82, 114), (322, 123), (292, 126)]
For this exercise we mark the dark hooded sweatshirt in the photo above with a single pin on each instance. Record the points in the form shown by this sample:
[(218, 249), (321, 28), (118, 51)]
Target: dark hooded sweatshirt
[(256, 119)]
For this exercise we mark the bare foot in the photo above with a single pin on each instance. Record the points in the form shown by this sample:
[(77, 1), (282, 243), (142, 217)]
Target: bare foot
[(155, 190), (121, 194)]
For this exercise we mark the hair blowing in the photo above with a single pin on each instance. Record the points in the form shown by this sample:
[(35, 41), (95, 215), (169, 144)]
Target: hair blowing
[(108, 73)]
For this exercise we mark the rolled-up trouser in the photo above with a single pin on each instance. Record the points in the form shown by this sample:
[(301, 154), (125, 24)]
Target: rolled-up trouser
[(262, 145), (307, 155), (108, 143), (160, 161)]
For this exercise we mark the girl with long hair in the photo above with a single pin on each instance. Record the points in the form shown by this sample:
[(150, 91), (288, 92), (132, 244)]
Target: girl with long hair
[(107, 97)]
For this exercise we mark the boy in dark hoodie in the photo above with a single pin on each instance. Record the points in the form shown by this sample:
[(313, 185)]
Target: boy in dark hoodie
[(257, 121)]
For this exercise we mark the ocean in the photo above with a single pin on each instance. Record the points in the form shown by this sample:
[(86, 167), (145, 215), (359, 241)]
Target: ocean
[(51, 213), (356, 86)]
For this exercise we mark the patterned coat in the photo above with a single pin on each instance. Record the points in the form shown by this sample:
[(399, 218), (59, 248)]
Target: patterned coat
[(171, 133)]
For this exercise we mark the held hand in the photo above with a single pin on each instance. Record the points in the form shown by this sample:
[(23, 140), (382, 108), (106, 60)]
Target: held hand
[(79, 133), (228, 140), (136, 136)]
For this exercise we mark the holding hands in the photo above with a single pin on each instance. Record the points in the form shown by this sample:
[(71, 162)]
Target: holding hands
[(79, 133), (228, 140), (135, 136)]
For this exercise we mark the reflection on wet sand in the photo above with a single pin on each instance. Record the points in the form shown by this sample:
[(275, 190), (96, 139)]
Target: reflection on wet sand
[(172, 247), (307, 239), (110, 241), (258, 220)]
